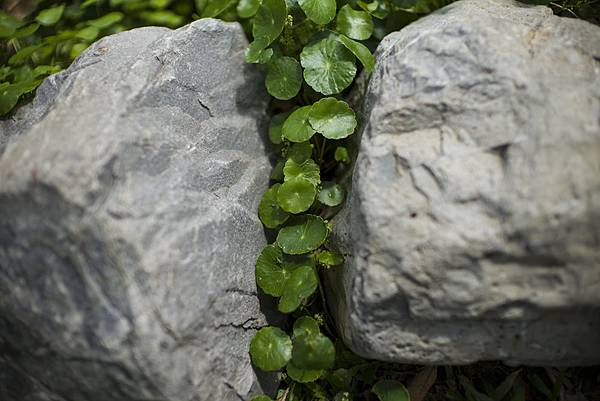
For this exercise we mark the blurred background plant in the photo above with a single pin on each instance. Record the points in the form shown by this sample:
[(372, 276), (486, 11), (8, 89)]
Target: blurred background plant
[(41, 37)]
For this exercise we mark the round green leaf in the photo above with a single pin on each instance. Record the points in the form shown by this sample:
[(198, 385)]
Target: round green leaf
[(50, 16), (296, 195), (302, 234), (300, 152), (313, 352), (331, 194), (354, 24), (269, 211), (305, 325), (334, 119), (270, 276), (269, 22), (329, 258), (297, 128), (300, 285), (284, 78), (271, 349), (318, 11), (390, 390), (308, 170), (303, 375), (328, 66), (361, 51)]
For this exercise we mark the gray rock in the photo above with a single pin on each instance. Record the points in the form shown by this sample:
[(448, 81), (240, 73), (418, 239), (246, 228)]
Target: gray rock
[(128, 227), (473, 228)]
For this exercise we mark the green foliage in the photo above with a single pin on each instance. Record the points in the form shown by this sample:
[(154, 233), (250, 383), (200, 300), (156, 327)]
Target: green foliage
[(329, 258), (261, 398), (329, 67), (341, 155), (284, 78), (313, 351), (269, 211), (50, 16), (306, 325), (354, 24), (311, 50), (320, 12), (53, 33), (332, 118), (296, 127), (302, 234), (303, 375), (301, 284), (296, 195), (331, 194), (268, 24), (271, 349), (391, 390)]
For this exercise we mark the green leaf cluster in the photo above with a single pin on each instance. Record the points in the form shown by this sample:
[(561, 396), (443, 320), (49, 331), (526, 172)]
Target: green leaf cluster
[(306, 355), (311, 52), (42, 37)]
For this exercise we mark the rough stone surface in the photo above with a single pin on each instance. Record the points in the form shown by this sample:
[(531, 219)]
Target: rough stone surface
[(128, 228), (473, 228)]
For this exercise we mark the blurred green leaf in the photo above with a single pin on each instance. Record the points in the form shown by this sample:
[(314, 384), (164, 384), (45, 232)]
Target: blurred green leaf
[(90, 33), (215, 7), (26, 31), (50, 16), (8, 24), (106, 20), (247, 8)]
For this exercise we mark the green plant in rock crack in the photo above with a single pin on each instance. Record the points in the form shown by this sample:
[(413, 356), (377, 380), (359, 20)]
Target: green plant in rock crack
[(312, 51)]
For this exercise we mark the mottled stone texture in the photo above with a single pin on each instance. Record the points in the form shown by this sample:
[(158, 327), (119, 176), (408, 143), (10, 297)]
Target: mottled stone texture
[(473, 228), (128, 228)]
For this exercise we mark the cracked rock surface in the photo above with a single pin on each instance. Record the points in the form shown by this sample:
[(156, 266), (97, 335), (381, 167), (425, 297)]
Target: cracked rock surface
[(128, 227), (473, 227)]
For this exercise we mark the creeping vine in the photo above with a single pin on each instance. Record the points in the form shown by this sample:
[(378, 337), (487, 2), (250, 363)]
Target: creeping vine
[(312, 51)]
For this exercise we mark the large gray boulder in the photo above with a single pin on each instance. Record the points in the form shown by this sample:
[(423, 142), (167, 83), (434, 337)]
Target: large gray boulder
[(128, 228), (473, 228)]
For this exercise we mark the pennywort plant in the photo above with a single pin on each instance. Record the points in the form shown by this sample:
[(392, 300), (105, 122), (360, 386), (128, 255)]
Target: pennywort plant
[(312, 51)]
